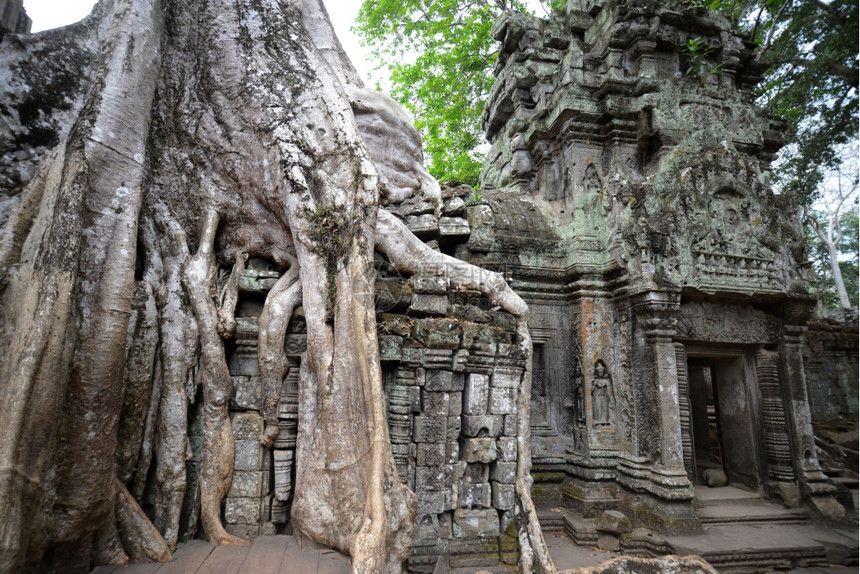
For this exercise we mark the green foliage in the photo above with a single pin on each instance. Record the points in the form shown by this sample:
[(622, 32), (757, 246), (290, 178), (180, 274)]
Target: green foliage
[(441, 57), (697, 53), (848, 262)]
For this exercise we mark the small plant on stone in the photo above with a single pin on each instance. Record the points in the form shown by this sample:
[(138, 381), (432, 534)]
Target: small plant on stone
[(697, 53)]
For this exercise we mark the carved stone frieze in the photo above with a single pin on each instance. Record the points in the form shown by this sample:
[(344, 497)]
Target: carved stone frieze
[(723, 323)]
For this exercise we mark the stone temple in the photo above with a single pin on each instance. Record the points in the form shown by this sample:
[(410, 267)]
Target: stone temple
[(626, 198)]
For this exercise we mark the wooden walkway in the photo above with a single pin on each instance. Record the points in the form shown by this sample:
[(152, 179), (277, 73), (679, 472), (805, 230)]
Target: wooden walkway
[(267, 555)]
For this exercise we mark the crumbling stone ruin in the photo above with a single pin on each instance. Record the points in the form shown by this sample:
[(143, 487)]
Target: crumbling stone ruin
[(625, 201), (678, 283)]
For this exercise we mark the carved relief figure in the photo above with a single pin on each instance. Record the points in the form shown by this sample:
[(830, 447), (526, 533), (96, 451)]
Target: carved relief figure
[(578, 393), (601, 387)]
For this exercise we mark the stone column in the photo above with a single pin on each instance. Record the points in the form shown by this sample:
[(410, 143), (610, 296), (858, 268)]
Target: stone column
[(814, 484), (664, 496)]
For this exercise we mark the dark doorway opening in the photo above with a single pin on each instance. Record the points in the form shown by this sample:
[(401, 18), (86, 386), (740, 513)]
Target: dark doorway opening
[(723, 410), (707, 446)]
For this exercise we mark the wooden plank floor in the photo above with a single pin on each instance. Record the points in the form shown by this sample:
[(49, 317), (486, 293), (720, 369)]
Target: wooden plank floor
[(267, 555)]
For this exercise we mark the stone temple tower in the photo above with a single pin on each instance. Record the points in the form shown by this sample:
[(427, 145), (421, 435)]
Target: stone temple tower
[(628, 199)]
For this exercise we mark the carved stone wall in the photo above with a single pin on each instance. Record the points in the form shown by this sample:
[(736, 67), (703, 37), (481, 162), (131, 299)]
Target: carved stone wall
[(830, 354)]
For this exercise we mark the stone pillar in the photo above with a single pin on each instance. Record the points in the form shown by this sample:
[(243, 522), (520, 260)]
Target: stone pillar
[(659, 492), (591, 487), (815, 486)]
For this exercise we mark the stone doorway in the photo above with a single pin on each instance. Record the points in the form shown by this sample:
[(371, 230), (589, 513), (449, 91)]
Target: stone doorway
[(723, 421)]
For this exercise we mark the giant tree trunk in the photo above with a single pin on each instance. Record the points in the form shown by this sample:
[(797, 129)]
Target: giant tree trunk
[(170, 140)]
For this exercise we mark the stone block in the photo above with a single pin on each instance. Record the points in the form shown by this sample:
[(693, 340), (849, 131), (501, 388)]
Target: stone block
[(458, 382), (432, 284), (437, 359), (476, 394), (504, 496), (250, 456), (481, 426), (455, 405), (242, 510), (470, 523), (508, 449), (429, 478), (247, 484), (475, 473), (423, 226), (453, 228), (245, 393), (247, 426), (412, 357), (505, 321), (452, 431), (475, 495), (431, 502), (431, 454), (503, 472), (425, 305), (613, 521), (246, 362), (470, 313), (390, 347), (454, 206), (435, 404), (429, 429), (478, 449), (440, 381), (506, 378), (503, 401)]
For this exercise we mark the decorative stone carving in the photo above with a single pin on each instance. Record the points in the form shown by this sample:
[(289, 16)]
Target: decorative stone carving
[(601, 395), (685, 411), (776, 433), (705, 321), (578, 392)]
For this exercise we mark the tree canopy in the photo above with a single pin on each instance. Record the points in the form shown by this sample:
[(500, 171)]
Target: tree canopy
[(440, 56), (810, 49)]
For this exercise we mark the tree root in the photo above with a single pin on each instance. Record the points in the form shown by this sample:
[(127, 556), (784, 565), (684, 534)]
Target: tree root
[(216, 473), (408, 253), (228, 297), (282, 299), (107, 547), (172, 419), (142, 347), (141, 540)]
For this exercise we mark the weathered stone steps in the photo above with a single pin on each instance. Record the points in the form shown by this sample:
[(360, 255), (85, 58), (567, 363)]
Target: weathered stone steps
[(754, 561)]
